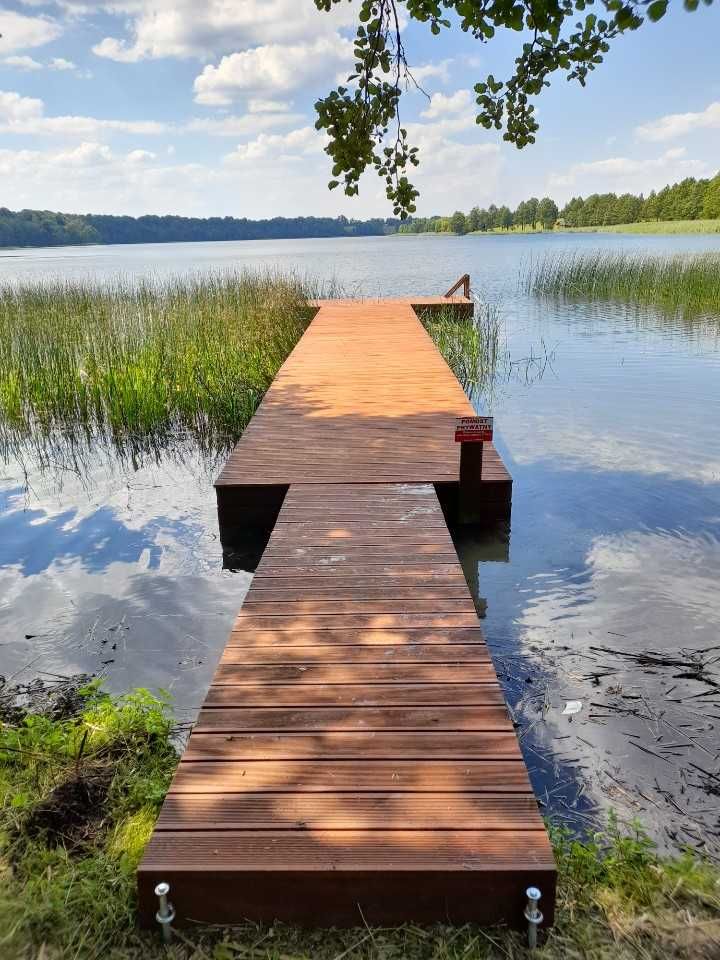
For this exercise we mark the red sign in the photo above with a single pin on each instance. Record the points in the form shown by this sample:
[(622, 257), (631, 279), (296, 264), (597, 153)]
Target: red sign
[(473, 429)]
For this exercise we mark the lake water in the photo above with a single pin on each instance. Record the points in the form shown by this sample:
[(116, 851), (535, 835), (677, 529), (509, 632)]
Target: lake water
[(605, 588)]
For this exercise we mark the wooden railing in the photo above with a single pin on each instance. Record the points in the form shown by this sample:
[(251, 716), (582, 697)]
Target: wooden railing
[(463, 282)]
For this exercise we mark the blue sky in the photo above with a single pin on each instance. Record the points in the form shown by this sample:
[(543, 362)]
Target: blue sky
[(205, 108)]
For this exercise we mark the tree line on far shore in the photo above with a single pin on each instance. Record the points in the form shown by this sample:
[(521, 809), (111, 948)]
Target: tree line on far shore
[(43, 228), (690, 199)]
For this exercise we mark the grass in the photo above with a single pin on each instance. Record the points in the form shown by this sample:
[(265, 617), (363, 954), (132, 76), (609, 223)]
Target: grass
[(139, 366), (470, 345), (81, 780), (82, 776), (682, 285), (136, 366), (652, 226), (134, 361), (643, 227)]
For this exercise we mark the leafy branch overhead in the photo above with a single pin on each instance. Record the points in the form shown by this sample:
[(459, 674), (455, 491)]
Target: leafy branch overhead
[(362, 117)]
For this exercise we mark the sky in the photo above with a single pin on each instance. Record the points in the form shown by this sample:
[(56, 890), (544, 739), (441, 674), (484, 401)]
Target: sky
[(205, 108)]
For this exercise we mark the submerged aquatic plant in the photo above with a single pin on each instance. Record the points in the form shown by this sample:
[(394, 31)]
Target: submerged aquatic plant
[(684, 285), (131, 362)]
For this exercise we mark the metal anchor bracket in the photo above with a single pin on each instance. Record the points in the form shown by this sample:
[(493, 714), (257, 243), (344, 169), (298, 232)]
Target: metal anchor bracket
[(533, 915), (166, 911)]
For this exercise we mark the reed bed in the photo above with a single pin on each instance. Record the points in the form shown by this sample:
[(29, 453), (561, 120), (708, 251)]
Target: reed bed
[(682, 285), (143, 360), (470, 346)]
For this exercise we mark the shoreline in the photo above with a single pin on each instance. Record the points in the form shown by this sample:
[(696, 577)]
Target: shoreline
[(658, 228)]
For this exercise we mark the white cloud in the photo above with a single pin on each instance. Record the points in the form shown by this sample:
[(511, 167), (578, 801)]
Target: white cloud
[(16, 109), (626, 173), (281, 146), (22, 63), (426, 71), (579, 445), (269, 106), (85, 155), (246, 125), (29, 63), (185, 28), (679, 124), (20, 32), (60, 63), (443, 104), (91, 176), (450, 168), (270, 69), (25, 115), (141, 156)]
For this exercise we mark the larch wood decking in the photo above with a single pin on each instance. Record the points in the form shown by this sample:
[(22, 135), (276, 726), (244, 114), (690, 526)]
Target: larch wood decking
[(353, 760), (364, 397)]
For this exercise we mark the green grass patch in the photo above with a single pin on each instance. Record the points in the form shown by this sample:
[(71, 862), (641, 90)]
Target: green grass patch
[(681, 285), (652, 226), (82, 776), (132, 361)]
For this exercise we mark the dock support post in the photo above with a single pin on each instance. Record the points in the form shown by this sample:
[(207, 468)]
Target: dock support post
[(533, 915), (166, 911), (470, 503)]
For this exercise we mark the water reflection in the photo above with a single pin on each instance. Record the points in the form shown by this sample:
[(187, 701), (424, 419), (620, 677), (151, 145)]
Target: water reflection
[(610, 598), (613, 559), (115, 573)]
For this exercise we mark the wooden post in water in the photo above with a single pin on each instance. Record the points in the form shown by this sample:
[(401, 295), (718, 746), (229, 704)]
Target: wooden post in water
[(472, 433)]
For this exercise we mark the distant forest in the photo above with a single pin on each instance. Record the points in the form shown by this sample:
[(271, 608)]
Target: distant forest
[(690, 199), (42, 228)]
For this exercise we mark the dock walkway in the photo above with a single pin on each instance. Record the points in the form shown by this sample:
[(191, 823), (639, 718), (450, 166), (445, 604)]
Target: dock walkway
[(353, 759)]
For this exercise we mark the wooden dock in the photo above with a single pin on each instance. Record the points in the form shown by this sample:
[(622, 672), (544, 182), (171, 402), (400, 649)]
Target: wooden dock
[(365, 397), (353, 760)]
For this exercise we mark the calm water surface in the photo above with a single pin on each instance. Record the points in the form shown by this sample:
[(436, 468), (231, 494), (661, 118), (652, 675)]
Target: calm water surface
[(605, 589)]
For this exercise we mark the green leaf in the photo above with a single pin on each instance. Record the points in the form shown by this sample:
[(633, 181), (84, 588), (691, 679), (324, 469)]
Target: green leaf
[(657, 10)]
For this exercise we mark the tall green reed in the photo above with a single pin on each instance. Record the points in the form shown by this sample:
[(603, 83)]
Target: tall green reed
[(684, 285), (135, 361), (470, 345)]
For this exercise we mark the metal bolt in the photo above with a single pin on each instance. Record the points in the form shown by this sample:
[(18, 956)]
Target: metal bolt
[(533, 915), (166, 911)]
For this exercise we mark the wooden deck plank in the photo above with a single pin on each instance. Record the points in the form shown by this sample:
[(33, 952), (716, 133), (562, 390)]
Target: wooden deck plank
[(350, 406), (455, 653), (322, 775), (356, 636), (428, 591), (331, 674), (356, 695), (295, 625), (477, 745), (354, 811), (460, 851), (307, 609), (354, 750), (331, 719), (377, 571)]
